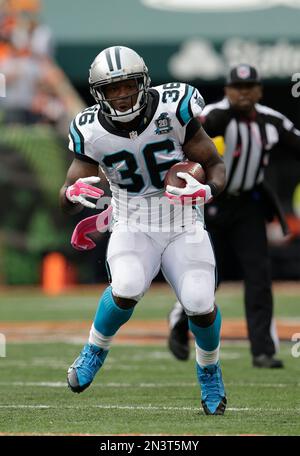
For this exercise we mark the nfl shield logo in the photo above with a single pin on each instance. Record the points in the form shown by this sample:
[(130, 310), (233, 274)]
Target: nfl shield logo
[(133, 135)]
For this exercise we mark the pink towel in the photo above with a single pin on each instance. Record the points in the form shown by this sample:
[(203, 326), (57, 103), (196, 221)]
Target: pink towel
[(95, 223)]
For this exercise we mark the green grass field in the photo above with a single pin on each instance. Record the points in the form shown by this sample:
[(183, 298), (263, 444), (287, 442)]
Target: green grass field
[(141, 389)]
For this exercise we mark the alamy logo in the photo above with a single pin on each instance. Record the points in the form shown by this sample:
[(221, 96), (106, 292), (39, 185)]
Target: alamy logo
[(296, 87), (295, 350), (150, 214)]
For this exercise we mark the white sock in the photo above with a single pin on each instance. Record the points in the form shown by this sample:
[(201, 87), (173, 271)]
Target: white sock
[(204, 358)]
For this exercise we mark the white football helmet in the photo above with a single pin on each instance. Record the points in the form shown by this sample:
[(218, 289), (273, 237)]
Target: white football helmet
[(114, 64)]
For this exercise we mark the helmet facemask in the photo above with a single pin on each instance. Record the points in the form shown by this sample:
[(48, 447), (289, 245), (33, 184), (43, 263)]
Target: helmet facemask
[(106, 104)]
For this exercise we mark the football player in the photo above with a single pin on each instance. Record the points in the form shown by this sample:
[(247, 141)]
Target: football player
[(135, 133)]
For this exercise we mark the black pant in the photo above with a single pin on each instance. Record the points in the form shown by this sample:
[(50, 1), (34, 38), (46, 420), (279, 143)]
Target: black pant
[(238, 222)]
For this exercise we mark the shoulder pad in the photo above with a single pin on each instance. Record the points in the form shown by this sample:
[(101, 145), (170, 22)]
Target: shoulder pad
[(79, 129), (190, 105)]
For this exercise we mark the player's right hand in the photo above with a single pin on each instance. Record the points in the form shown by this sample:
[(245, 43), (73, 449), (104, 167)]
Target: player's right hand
[(81, 189)]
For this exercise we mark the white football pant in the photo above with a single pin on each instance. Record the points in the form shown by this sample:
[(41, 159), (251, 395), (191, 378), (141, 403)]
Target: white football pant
[(186, 259)]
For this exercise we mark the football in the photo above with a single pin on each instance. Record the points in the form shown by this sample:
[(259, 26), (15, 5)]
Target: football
[(193, 168)]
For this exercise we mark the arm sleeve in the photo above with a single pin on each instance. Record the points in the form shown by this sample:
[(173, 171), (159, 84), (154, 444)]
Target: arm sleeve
[(191, 129), (214, 122)]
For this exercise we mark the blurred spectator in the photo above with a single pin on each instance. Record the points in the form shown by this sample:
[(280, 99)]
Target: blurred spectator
[(23, 74), (46, 105), (32, 81), (7, 25), (20, 26), (36, 89), (33, 37)]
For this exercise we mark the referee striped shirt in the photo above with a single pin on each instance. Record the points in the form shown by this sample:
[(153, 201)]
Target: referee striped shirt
[(248, 141)]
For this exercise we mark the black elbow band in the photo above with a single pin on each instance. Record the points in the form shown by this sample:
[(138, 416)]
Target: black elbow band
[(214, 188)]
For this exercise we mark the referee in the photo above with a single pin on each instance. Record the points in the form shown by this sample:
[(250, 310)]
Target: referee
[(236, 219)]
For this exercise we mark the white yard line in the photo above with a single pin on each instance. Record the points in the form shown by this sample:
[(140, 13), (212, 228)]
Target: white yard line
[(150, 385), (144, 408)]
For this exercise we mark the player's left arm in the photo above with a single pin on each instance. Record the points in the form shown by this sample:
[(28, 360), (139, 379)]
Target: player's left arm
[(200, 148)]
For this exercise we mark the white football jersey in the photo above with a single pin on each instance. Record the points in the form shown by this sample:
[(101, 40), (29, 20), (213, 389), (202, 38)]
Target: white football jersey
[(135, 162)]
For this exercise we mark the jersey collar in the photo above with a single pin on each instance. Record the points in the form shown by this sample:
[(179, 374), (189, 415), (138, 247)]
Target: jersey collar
[(146, 118)]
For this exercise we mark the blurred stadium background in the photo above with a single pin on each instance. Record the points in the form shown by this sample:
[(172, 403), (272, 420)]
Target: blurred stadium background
[(52, 49), (46, 48)]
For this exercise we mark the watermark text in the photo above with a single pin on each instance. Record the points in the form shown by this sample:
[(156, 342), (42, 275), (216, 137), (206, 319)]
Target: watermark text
[(295, 350)]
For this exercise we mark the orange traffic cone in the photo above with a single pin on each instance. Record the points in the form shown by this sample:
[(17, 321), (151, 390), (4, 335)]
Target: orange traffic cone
[(54, 273)]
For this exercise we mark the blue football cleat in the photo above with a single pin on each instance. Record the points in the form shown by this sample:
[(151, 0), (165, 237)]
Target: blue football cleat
[(82, 372), (212, 389)]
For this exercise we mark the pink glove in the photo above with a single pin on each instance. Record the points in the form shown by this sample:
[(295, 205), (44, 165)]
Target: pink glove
[(190, 192), (77, 192), (98, 222)]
